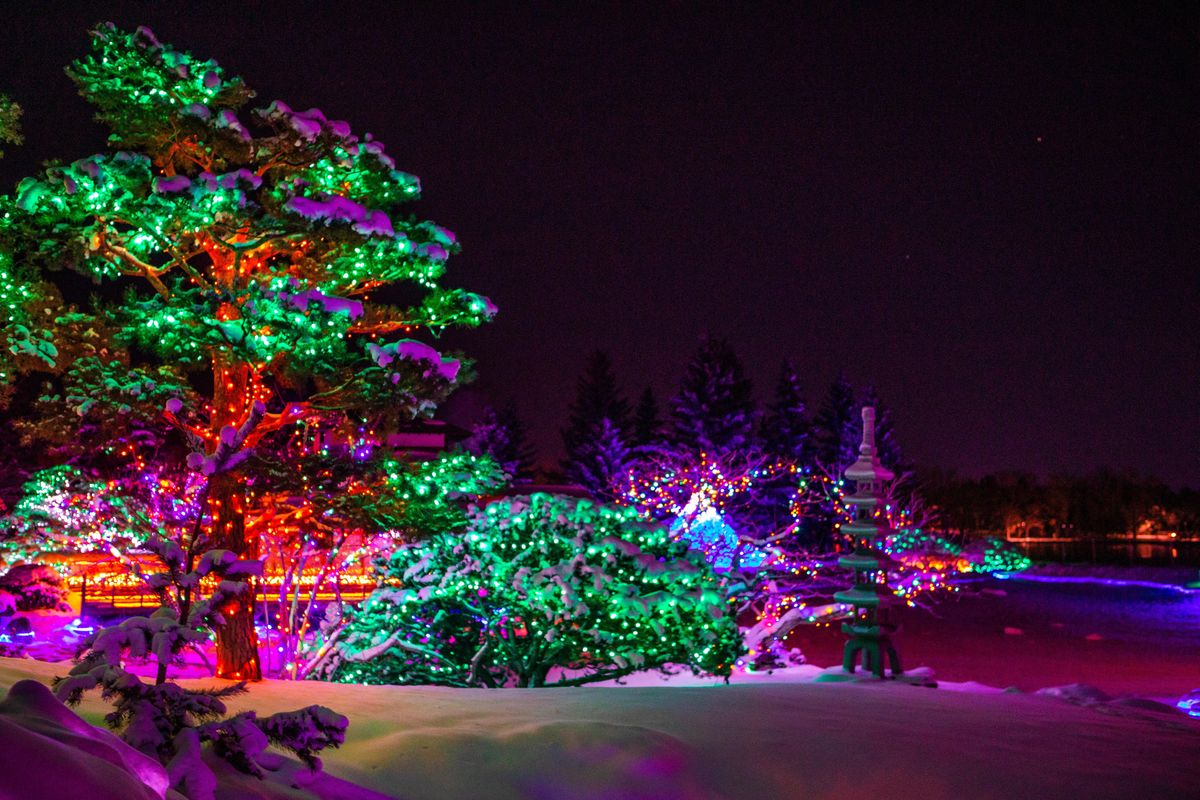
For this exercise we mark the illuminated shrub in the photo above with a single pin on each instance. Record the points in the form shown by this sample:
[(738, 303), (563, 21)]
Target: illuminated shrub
[(539, 590), (995, 555), (35, 587)]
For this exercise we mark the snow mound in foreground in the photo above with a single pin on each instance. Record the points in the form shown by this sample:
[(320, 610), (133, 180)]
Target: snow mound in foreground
[(768, 738), (49, 752)]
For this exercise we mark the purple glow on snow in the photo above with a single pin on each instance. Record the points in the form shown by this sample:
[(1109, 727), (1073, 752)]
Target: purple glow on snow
[(1097, 581)]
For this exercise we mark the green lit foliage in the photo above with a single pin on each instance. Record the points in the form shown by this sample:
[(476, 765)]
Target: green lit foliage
[(245, 242), (242, 245), (64, 511), (25, 319), (539, 590), (10, 122), (991, 555), (987, 555), (103, 411), (431, 495), (408, 500), (338, 520)]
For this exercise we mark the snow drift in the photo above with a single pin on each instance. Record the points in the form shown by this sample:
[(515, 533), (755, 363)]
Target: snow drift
[(766, 739)]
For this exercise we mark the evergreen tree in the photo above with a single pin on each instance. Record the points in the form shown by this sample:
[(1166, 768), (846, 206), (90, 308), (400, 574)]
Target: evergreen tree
[(10, 122), (597, 397), (786, 437), (885, 433), (246, 246), (167, 721), (597, 434), (600, 462), (647, 426), (501, 435), (837, 428), (714, 411), (786, 430)]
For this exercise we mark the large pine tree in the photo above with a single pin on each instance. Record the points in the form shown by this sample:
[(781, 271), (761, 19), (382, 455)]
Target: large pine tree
[(786, 429), (598, 430), (246, 245), (837, 428), (714, 410)]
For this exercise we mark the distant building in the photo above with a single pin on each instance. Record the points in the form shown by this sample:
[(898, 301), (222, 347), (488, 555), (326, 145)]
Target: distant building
[(425, 438)]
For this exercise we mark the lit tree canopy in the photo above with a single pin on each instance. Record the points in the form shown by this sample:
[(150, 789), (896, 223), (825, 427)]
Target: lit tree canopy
[(248, 246)]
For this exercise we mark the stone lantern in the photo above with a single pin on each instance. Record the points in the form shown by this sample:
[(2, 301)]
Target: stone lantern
[(874, 622)]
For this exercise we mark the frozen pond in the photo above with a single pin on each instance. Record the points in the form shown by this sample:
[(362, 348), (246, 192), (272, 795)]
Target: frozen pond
[(1121, 638)]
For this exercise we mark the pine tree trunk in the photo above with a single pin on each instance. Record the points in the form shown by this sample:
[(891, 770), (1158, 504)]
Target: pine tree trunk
[(237, 640)]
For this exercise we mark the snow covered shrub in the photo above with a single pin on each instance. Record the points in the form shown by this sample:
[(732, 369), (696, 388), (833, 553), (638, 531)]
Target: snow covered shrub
[(167, 721), (35, 587), (539, 590)]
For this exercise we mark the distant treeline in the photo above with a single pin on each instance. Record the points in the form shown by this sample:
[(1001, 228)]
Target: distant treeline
[(1105, 503)]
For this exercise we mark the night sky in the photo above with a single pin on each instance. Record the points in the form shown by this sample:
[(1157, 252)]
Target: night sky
[(992, 216)]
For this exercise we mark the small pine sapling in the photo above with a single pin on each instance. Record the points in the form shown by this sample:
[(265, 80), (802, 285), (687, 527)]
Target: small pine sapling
[(172, 723)]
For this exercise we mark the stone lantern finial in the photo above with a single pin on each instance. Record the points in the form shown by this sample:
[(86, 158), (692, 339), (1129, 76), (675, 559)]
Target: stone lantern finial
[(867, 448)]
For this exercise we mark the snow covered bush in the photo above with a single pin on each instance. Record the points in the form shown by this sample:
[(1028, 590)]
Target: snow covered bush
[(167, 721), (539, 590), (34, 587)]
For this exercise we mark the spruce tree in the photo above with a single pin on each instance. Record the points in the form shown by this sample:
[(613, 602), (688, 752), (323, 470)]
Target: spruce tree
[(786, 430), (886, 445), (501, 435), (714, 410), (647, 425), (246, 246), (837, 427), (601, 461), (598, 430)]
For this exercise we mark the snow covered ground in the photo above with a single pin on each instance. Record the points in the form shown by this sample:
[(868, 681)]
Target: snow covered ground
[(769, 738), (783, 735)]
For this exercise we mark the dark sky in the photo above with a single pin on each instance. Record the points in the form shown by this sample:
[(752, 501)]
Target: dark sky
[(993, 216)]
